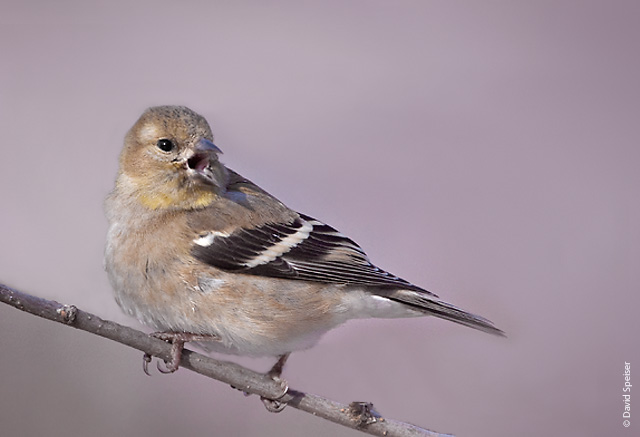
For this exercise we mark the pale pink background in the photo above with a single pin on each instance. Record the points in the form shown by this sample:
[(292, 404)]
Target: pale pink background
[(489, 151)]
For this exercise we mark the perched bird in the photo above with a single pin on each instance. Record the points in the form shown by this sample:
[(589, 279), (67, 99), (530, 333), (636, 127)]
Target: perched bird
[(200, 253)]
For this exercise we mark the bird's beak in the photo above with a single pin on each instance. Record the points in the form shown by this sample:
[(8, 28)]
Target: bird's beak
[(203, 153), (207, 146)]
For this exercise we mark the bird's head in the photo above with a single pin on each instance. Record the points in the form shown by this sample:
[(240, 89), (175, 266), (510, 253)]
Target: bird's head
[(169, 160)]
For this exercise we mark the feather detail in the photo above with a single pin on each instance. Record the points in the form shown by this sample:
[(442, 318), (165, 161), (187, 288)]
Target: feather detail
[(303, 249)]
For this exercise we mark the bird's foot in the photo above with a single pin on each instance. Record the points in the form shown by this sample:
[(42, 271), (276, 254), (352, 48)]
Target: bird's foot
[(177, 340), (276, 405)]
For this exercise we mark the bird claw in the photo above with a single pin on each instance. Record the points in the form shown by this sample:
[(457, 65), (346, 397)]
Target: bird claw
[(146, 359), (169, 367), (272, 405), (276, 405), (177, 340)]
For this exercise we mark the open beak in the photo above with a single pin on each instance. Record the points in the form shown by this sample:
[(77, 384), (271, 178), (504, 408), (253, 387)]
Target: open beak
[(204, 151)]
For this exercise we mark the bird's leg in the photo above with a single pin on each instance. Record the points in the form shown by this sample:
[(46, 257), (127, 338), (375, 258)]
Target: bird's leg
[(177, 340), (276, 370), (275, 405)]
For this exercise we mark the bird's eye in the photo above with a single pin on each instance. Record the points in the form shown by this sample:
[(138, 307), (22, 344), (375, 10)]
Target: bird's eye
[(165, 145)]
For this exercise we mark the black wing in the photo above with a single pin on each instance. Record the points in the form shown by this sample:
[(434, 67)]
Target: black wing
[(304, 249)]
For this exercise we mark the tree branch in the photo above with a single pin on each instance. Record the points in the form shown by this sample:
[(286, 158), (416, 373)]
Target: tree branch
[(357, 415)]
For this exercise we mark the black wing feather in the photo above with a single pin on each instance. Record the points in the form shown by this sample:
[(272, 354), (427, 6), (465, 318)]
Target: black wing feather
[(313, 258)]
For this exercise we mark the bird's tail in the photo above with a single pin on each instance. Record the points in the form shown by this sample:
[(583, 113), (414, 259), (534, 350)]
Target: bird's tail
[(432, 305)]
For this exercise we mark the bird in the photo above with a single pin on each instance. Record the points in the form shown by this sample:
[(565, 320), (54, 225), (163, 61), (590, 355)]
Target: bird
[(199, 253)]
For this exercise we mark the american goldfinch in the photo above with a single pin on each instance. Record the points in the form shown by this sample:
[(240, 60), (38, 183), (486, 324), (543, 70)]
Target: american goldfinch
[(200, 253)]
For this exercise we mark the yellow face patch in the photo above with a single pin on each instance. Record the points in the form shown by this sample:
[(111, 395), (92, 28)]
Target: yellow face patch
[(182, 199), (155, 200)]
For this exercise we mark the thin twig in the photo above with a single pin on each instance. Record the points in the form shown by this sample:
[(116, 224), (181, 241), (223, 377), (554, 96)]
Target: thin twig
[(357, 415)]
